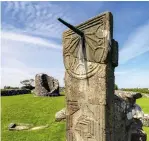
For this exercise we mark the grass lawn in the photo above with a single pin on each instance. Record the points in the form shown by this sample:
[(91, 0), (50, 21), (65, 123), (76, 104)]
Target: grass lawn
[(144, 103), (35, 110), (39, 111)]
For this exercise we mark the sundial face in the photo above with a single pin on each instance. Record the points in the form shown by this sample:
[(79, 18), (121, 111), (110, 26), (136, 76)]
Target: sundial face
[(83, 60)]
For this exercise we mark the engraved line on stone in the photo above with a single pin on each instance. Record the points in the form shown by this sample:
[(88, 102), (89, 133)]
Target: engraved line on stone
[(91, 73), (91, 37), (72, 42), (92, 22), (85, 27), (89, 44), (99, 27), (72, 49)]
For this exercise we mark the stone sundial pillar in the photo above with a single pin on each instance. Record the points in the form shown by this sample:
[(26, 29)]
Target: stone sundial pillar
[(89, 80)]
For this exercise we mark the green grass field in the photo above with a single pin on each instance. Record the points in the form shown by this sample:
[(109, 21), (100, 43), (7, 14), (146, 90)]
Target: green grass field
[(38, 111), (35, 110), (144, 103)]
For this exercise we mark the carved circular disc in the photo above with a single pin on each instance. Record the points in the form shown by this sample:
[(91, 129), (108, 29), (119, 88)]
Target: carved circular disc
[(80, 69), (83, 64)]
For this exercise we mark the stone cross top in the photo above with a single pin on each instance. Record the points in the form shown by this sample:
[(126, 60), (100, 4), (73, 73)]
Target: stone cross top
[(90, 56)]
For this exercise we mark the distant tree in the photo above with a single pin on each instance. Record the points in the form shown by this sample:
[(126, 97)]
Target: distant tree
[(27, 84), (116, 87)]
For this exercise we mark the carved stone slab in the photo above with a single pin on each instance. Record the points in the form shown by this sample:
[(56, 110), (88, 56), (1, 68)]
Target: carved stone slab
[(97, 44), (89, 80)]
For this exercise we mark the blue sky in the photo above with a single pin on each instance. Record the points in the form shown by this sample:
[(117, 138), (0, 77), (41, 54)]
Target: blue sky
[(31, 39)]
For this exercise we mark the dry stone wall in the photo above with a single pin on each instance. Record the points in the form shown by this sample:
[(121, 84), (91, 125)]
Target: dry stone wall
[(14, 92)]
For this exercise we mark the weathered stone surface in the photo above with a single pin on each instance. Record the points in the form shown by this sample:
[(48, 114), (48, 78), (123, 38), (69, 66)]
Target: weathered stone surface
[(145, 120), (11, 125), (128, 96), (60, 115), (128, 117), (25, 126), (93, 112), (138, 135), (46, 85), (89, 80), (19, 126)]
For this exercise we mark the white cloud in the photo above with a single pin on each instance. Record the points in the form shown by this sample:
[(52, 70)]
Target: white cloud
[(40, 18), (14, 69), (137, 44), (132, 79), (29, 39), (37, 18), (13, 76), (15, 49)]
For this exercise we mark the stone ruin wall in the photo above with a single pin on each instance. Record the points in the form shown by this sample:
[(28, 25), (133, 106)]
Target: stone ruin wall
[(46, 85)]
